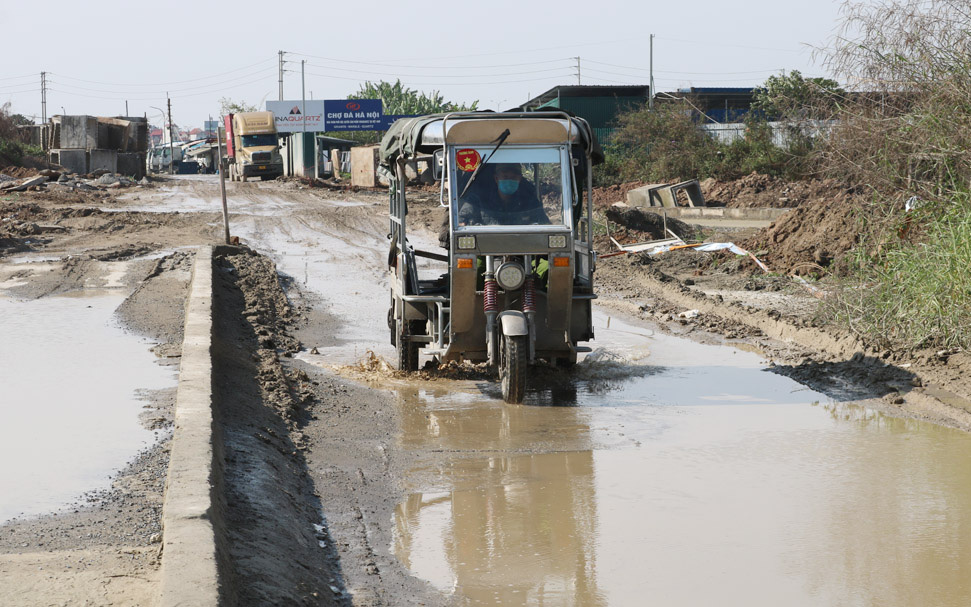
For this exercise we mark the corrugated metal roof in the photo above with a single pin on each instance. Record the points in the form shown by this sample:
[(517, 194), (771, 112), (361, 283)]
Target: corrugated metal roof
[(588, 90)]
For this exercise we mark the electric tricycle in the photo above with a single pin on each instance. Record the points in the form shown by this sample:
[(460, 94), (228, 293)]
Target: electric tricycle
[(518, 285)]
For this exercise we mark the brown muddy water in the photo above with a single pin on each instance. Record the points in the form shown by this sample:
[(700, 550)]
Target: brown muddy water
[(673, 473), (71, 379)]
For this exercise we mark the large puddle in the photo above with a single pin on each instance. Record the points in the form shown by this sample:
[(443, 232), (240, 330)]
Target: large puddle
[(682, 474), (70, 381), (663, 472)]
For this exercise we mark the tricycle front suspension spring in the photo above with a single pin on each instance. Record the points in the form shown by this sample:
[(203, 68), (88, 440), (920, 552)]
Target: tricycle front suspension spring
[(490, 295), (529, 294)]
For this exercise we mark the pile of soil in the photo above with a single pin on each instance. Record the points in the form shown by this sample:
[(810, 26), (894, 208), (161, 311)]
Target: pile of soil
[(763, 191), (642, 225), (811, 239), (19, 172), (606, 196)]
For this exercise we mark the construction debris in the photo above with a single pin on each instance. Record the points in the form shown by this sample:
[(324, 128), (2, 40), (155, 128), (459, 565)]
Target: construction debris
[(682, 194)]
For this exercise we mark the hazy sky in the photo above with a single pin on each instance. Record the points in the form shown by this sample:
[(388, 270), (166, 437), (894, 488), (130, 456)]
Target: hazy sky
[(99, 54)]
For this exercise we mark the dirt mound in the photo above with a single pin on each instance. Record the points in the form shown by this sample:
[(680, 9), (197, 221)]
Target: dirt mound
[(756, 190), (606, 196), (644, 225), (19, 172), (812, 238)]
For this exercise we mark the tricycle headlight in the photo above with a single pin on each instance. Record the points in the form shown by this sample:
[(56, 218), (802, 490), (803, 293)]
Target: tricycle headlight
[(466, 242), (558, 241), (510, 276)]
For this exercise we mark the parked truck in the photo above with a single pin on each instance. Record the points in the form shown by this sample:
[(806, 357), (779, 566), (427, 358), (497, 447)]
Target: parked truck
[(251, 146)]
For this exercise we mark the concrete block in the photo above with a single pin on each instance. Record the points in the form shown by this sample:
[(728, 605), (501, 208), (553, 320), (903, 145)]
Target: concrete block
[(103, 160), (646, 196), (364, 165), (79, 132), (131, 164), (75, 161), (687, 193)]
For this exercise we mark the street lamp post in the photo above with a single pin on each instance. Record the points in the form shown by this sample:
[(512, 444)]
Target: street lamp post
[(162, 112)]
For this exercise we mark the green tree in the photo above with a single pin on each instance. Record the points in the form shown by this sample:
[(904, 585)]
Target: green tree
[(21, 120), (793, 97), (228, 106), (398, 99)]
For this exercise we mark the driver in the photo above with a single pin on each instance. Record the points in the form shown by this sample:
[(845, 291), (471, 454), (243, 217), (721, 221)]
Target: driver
[(508, 200)]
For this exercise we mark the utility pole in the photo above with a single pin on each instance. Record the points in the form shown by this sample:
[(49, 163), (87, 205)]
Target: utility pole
[(303, 96), (171, 138), (126, 108), (222, 182), (281, 75), (578, 69), (43, 97), (650, 96)]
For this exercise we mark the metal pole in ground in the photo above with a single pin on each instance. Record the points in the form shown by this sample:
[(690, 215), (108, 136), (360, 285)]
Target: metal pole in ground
[(171, 138), (650, 95), (222, 183), (303, 120)]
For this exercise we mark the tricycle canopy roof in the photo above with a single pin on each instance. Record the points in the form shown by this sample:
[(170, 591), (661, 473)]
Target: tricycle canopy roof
[(409, 137)]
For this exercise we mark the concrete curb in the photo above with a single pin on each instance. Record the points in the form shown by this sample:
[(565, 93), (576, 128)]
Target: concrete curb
[(189, 573)]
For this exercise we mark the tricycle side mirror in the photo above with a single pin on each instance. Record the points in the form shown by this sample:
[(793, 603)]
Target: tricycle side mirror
[(438, 164)]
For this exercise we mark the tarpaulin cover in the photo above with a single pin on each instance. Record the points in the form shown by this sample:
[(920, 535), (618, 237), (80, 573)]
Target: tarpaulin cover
[(404, 138), (708, 248)]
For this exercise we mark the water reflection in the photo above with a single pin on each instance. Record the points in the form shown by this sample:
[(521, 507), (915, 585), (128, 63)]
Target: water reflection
[(904, 538), (512, 529), (699, 484)]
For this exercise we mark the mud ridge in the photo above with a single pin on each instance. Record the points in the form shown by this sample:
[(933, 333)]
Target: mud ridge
[(270, 550)]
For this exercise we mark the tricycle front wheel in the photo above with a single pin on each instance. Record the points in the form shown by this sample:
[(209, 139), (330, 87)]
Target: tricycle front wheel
[(512, 367)]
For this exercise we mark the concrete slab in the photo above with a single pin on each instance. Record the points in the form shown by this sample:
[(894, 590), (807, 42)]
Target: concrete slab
[(79, 132), (103, 160), (75, 161), (364, 165), (645, 196), (131, 164)]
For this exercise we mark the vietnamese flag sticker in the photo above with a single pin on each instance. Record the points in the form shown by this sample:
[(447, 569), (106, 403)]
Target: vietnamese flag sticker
[(467, 160)]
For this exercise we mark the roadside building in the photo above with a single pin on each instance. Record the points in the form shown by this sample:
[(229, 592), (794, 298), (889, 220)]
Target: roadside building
[(598, 105)]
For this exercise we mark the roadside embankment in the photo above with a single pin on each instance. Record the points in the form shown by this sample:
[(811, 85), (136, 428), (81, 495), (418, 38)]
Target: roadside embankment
[(189, 569), (241, 522)]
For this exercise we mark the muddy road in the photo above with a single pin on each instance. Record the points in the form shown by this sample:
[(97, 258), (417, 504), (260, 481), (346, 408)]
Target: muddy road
[(674, 463)]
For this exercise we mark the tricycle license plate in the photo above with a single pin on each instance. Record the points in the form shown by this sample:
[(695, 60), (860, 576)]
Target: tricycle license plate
[(263, 167)]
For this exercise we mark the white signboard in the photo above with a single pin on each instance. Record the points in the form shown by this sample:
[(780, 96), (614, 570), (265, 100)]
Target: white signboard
[(292, 116)]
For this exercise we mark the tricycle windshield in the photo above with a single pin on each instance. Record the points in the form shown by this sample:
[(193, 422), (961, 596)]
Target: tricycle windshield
[(515, 186)]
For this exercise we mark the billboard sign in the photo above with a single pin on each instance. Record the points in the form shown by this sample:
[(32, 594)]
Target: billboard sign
[(297, 116), (353, 115), (328, 115)]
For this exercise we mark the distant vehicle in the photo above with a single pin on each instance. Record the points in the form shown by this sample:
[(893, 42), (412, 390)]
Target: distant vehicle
[(159, 158), (252, 148)]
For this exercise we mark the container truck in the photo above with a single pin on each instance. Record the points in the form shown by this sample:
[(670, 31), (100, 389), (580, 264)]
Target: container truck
[(251, 146)]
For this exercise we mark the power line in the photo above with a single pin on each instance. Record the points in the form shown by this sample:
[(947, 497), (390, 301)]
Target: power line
[(720, 45), (191, 88), (641, 69), (19, 77), (558, 76), (397, 74), (155, 97), (509, 52), (430, 67), (161, 83)]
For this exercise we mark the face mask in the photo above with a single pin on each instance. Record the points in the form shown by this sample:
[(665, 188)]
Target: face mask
[(508, 186)]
